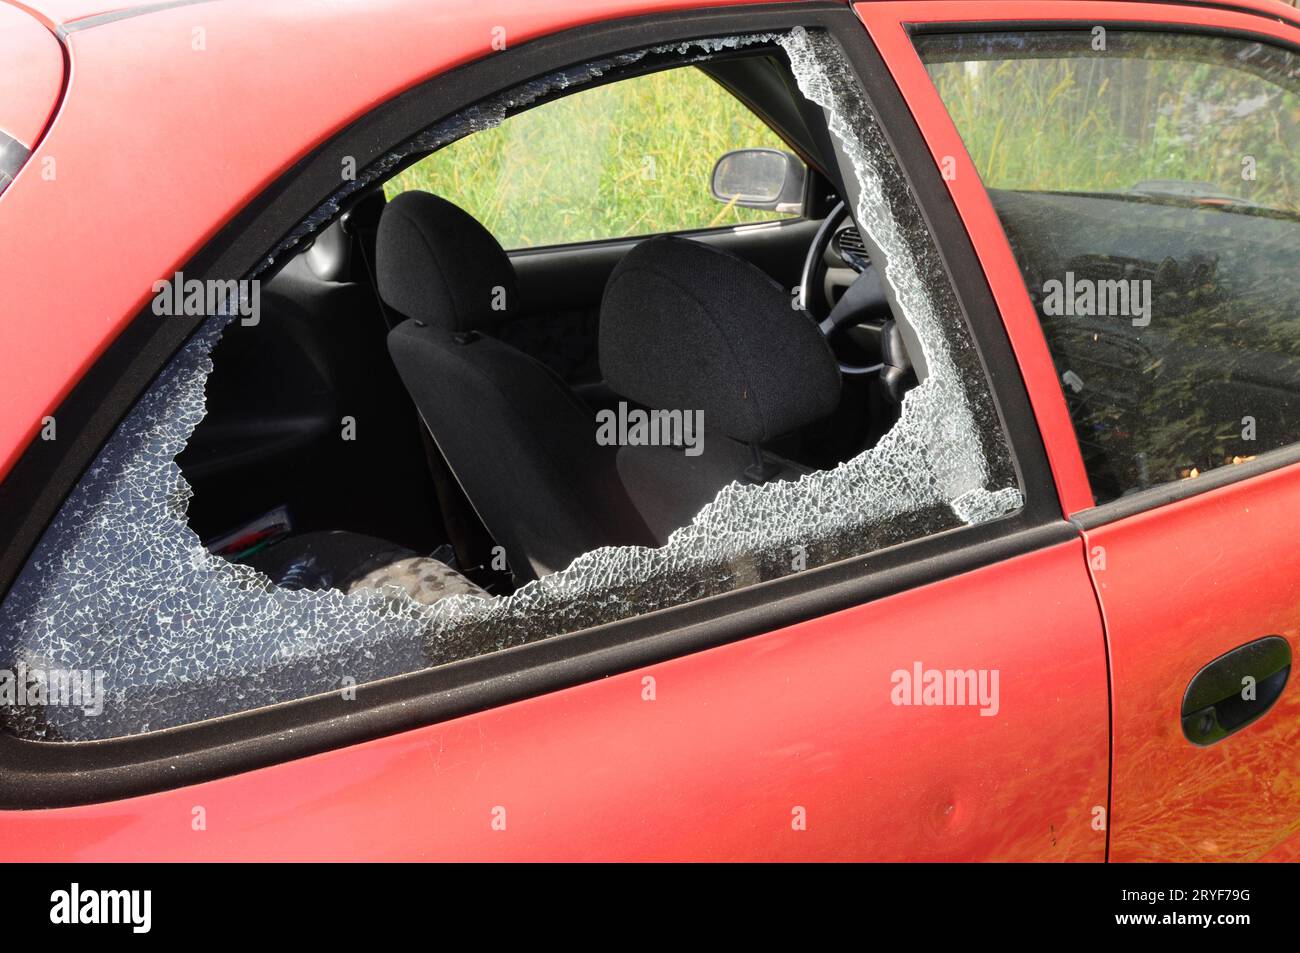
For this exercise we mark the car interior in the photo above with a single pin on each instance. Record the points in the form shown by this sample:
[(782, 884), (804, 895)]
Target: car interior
[(417, 406)]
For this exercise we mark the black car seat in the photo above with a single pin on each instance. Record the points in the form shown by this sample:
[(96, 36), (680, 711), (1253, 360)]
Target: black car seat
[(686, 326), (683, 327), (519, 441)]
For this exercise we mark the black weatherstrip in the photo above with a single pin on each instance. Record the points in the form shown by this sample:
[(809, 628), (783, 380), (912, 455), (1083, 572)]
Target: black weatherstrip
[(43, 774), (1167, 493)]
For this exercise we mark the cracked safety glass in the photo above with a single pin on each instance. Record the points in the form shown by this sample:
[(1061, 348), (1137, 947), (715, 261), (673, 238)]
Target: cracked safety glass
[(175, 631)]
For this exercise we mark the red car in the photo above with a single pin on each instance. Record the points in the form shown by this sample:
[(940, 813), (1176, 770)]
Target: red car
[(649, 429)]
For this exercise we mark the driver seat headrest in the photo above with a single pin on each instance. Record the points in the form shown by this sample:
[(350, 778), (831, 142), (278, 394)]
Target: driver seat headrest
[(435, 263), (687, 326)]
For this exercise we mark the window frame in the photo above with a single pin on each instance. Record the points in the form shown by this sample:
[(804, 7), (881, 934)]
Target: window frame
[(893, 25), (38, 774), (1173, 490)]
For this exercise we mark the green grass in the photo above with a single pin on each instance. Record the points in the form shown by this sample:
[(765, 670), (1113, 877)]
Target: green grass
[(1104, 122), (629, 158)]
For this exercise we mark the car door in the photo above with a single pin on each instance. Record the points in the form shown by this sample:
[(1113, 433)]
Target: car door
[(1144, 170), (924, 679)]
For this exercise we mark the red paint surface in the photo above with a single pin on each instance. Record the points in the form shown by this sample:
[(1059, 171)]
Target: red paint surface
[(736, 738), (31, 77), (1184, 584), (56, 12), (739, 736)]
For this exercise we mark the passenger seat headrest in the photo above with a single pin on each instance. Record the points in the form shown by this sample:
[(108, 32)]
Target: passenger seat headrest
[(687, 326), (434, 262)]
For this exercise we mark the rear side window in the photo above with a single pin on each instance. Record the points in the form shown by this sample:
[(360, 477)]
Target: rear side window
[(163, 626), (625, 159), (1149, 185)]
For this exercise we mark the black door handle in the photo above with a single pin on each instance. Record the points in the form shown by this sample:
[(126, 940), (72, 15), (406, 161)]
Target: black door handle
[(1235, 689)]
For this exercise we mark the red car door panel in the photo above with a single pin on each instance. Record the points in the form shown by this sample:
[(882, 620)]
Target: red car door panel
[(1182, 585), (32, 79), (717, 766)]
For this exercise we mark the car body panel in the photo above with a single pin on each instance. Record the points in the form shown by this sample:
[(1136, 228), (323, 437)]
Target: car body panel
[(58, 13), (32, 78), (1180, 584), (735, 739)]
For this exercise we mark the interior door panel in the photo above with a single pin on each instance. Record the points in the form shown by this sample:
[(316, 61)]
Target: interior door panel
[(573, 276)]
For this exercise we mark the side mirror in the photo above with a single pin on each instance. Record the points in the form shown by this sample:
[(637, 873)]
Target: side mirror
[(760, 178)]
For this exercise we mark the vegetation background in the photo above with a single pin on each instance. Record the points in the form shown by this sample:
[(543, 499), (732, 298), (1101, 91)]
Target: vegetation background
[(630, 158), (635, 157), (1153, 106)]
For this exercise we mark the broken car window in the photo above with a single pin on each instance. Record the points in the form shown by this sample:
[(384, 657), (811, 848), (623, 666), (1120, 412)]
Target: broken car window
[(122, 586)]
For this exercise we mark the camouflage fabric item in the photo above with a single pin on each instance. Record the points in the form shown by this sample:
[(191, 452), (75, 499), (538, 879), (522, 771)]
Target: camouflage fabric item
[(424, 579)]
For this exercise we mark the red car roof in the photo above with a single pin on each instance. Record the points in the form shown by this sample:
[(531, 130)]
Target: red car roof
[(55, 12), (32, 77)]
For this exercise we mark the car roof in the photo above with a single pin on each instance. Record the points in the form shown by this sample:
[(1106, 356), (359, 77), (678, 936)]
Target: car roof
[(65, 13), (32, 80), (57, 12)]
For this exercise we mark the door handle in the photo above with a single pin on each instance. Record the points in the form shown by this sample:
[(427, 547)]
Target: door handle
[(1235, 689)]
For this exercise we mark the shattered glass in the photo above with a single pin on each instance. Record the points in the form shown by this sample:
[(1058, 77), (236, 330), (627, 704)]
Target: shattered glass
[(121, 584)]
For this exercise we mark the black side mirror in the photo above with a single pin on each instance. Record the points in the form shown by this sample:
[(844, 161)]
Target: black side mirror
[(760, 178)]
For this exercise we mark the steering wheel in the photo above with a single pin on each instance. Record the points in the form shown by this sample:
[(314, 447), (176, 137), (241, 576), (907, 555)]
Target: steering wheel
[(863, 301)]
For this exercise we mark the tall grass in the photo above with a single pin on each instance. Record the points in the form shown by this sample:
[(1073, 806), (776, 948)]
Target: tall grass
[(629, 158), (1106, 122)]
